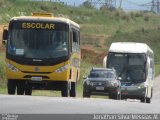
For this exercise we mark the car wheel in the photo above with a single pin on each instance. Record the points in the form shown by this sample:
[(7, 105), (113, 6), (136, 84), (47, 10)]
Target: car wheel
[(11, 85), (119, 96), (73, 89), (115, 96), (148, 100), (86, 94)]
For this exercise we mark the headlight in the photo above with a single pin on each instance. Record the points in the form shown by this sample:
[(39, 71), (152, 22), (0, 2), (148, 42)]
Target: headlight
[(143, 85), (11, 67), (61, 69), (114, 83), (89, 83)]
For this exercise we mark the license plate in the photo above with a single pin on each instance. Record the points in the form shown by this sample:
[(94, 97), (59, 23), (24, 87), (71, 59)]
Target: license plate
[(99, 88), (36, 78)]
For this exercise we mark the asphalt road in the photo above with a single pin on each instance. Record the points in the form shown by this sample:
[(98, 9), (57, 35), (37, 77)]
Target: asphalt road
[(58, 105)]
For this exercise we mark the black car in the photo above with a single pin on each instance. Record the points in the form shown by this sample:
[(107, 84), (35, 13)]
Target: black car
[(102, 81)]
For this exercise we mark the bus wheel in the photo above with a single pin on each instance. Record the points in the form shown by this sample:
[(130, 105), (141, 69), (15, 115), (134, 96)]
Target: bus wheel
[(73, 89), (65, 89), (11, 87), (148, 100), (20, 87), (28, 89)]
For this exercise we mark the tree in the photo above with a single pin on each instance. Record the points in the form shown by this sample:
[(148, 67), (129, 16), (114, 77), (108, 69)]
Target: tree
[(87, 4)]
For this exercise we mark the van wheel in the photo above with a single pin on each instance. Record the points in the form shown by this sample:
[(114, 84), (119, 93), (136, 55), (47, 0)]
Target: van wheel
[(65, 89), (148, 100), (11, 85), (143, 100), (73, 89)]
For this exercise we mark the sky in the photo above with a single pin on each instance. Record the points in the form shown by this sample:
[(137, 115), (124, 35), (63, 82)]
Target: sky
[(126, 4)]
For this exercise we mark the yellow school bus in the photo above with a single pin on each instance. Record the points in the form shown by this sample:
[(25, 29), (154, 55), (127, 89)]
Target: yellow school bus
[(42, 53)]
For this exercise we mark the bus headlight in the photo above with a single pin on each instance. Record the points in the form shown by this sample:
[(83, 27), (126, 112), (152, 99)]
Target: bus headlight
[(11, 67), (61, 69)]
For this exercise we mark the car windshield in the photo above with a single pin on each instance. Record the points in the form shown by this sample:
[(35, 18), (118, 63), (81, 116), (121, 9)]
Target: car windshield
[(38, 40), (129, 66), (101, 74)]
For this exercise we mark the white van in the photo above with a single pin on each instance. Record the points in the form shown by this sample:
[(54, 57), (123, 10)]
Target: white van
[(134, 63)]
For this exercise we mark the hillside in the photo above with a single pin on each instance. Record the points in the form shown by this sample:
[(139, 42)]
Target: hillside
[(99, 27)]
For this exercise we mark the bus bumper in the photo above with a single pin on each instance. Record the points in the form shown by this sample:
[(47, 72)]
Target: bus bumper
[(133, 92)]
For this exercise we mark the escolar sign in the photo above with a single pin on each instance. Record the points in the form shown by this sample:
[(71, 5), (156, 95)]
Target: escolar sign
[(38, 25)]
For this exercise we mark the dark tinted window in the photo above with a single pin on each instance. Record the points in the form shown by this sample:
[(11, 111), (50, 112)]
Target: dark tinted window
[(38, 39), (101, 74)]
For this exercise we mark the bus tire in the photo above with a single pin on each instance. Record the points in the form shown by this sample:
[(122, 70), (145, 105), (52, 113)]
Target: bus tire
[(65, 89), (11, 85), (20, 87), (148, 100), (28, 89), (73, 89)]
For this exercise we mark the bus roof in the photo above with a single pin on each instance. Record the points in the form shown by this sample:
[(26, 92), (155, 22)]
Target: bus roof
[(129, 47), (42, 18)]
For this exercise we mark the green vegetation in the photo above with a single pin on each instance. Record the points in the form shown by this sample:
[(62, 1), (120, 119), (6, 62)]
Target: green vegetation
[(99, 28)]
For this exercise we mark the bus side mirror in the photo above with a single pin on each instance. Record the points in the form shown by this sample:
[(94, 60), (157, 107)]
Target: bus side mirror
[(5, 34), (4, 42)]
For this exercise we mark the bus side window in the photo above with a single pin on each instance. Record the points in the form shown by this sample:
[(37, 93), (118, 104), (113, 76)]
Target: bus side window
[(76, 40), (75, 37), (70, 41)]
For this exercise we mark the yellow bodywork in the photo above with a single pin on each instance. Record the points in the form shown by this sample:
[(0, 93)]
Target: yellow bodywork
[(72, 72), (47, 71)]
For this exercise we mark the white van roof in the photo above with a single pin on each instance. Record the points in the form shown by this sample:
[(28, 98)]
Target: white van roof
[(129, 47)]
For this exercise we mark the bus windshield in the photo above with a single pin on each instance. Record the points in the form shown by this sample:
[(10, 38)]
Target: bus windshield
[(38, 40), (129, 66)]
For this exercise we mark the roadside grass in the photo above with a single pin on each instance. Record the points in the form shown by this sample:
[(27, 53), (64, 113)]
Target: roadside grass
[(2, 68)]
